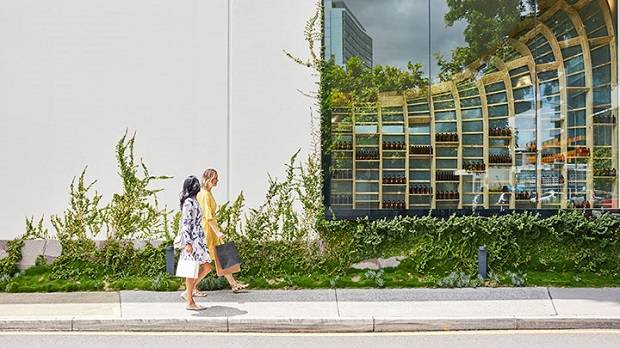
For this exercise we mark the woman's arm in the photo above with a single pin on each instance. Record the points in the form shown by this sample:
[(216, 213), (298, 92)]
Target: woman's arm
[(213, 224)]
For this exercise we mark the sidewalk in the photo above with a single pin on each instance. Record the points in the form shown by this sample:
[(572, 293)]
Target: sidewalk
[(328, 310)]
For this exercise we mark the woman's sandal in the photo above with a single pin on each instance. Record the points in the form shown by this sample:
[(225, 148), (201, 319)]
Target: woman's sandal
[(195, 308), (238, 288), (200, 293), (196, 293)]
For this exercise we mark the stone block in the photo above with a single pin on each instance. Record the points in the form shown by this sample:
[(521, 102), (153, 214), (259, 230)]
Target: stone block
[(30, 251)]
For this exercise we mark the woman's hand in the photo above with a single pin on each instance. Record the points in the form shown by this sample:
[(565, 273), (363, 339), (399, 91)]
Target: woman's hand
[(189, 249)]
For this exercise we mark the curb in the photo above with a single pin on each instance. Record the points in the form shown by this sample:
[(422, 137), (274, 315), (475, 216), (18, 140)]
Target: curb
[(308, 325)]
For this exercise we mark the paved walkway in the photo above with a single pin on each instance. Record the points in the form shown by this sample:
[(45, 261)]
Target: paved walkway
[(328, 310)]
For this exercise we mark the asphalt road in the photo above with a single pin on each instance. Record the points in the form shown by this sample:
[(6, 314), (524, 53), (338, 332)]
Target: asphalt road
[(478, 339)]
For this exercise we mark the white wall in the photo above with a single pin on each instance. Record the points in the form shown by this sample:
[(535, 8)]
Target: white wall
[(75, 74)]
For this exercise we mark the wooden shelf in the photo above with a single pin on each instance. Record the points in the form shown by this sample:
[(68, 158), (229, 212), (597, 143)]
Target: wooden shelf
[(407, 124)]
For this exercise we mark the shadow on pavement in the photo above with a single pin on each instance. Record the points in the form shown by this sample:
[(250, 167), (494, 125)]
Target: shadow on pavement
[(219, 311)]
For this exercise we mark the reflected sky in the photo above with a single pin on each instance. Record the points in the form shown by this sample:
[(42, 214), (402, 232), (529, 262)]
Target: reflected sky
[(399, 29)]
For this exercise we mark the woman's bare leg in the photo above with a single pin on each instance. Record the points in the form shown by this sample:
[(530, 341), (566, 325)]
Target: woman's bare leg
[(231, 280), (205, 268), (190, 283), (234, 283)]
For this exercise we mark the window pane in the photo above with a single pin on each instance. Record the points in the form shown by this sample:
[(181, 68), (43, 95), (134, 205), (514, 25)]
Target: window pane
[(472, 152), (574, 64), (602, 75), (576, 100), (498, 110), (445, 115), (523, 93), (602, 96), (602, 135), (600, 56), (496, 98), (576, 118), (470, 102), (577, 80), (472, 126), (472, 113), (494, 87)]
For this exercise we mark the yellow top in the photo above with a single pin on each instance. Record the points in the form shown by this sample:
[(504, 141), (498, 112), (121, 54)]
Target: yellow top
[(209, 208)]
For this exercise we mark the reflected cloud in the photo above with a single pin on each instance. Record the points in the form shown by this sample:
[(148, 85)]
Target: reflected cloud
[(400, 30)]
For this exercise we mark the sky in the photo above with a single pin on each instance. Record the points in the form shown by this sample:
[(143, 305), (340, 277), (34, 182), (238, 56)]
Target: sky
[(400, 30)]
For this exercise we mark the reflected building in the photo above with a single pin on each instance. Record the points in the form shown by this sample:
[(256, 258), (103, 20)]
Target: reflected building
[(345, 36), (531, 126)]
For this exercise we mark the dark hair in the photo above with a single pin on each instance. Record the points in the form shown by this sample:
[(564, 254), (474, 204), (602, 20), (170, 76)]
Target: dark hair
[(191, 187)]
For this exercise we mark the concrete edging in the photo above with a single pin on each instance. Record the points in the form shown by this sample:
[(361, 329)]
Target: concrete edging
[(309, 325)]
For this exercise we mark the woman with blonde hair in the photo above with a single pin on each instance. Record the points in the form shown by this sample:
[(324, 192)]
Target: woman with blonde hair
[(209, 224)]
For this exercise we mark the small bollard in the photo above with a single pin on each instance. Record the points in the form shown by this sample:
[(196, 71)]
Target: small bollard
[(482, 261), (170, 260)]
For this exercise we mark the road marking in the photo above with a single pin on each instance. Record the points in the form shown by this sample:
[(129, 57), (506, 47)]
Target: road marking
[(275, 334)]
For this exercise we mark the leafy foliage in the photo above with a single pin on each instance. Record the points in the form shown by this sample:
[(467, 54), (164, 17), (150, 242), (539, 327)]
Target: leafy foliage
[(487, 31), (357, 83), (566, 242), (461, 57), (134, 213), (83, 218), (487, 26), (8, 265), (35, 231)]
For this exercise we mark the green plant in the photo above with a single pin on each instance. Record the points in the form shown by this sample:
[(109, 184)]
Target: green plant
[(494, 279), (134, 213), (229, 217), (459, 280), (212, 282), (516, 278), (377, 277), (8, 265), (35, 231), (161, 282), (334, 282), (83, 218)]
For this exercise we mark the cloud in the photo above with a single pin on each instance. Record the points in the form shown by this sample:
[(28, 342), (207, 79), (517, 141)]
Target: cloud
[(400, 30)]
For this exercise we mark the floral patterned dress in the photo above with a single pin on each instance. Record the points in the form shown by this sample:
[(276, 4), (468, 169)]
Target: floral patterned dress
[(191, 229)]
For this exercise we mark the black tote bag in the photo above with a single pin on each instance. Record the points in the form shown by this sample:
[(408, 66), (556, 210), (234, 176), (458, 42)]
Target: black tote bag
[(228, 257)]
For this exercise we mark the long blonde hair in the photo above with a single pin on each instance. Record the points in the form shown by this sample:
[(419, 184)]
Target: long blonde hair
[(207, 176)]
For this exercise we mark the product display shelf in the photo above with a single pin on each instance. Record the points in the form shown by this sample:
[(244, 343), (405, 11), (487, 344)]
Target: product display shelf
[(367, 167), (393, 188), (420, 164), (342, 170)]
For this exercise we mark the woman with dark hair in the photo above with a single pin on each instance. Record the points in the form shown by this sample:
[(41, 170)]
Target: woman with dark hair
[(193, 238)]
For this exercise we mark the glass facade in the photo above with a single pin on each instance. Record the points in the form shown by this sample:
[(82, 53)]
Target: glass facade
[(345, 37), (531, 126)]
